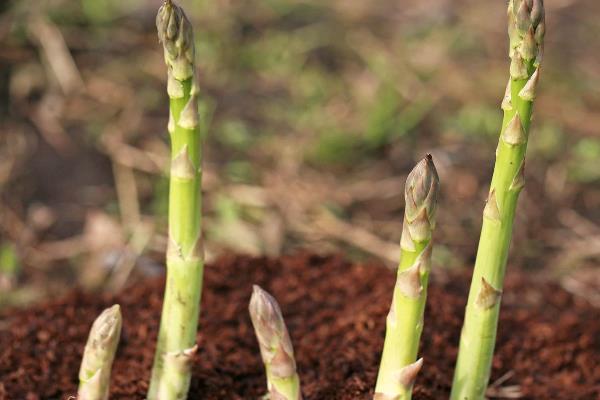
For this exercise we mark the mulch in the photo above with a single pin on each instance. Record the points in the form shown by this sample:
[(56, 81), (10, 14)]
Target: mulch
[(548, 343)]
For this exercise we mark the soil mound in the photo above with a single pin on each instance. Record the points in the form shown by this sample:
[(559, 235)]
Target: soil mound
[(548, 344)]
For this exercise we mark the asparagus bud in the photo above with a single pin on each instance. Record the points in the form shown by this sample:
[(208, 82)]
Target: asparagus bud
[(420, 196), (526, 28), (98, 356), (275, 345), (399, 365), (177, 37)]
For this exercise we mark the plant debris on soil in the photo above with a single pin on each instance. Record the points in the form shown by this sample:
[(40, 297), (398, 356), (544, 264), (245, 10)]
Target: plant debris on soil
[(548, 342)]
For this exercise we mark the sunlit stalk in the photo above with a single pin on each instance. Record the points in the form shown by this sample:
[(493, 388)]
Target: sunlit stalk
[(171, 372), (399, 364), (526, 28)]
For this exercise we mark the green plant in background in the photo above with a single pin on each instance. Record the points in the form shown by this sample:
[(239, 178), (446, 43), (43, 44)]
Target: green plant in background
[(98, 356), (526, 32), (181, 307), (275, 345), (583, 163), (9, 266), (399, 364)]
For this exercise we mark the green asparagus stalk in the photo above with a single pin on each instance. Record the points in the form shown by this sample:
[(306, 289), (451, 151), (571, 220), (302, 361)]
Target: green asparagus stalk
[(399, 365), (275, 345), (176, 345), (526, 32), (98, 356)]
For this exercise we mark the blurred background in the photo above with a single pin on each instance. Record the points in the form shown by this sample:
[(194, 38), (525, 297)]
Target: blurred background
[(313, 111)]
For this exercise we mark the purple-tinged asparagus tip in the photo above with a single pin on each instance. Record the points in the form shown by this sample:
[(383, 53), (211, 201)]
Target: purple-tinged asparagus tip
[(273, 337)]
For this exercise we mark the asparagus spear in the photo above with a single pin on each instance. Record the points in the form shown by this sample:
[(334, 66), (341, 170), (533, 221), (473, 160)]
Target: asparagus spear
[(526, 32), (275, 346), (399, 365), (98, 356), (181, 307)]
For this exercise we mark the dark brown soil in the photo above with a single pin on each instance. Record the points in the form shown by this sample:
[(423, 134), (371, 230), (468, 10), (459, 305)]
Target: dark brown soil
[(549, 342)]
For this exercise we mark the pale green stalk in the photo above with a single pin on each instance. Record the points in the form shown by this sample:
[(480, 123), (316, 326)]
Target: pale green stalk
[(275, 345), (98, 356), (526, 31), (399, 364), (171, 372)]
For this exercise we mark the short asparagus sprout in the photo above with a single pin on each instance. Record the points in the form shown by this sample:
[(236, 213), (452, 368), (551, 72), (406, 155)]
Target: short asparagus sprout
[(275, 345), (526, 28), (176, 344), (399, 365), (98, 356)]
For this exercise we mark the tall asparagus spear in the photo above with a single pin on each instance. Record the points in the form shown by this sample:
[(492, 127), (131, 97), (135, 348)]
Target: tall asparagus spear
[(181, 307), (275, 346), (526, 32), (98, 356), (399, 364)]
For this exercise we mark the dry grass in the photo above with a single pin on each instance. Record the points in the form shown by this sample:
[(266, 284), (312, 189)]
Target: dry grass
[(314, 112)]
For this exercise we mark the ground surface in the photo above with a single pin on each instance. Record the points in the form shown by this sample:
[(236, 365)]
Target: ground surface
[(548, 345)]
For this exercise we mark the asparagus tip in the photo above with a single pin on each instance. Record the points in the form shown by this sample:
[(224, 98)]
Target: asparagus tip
[(176, 35), (264, 310), (273, 338), (421, 191), (526, 31), (422, 183), (107, 326), (99, 353)]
